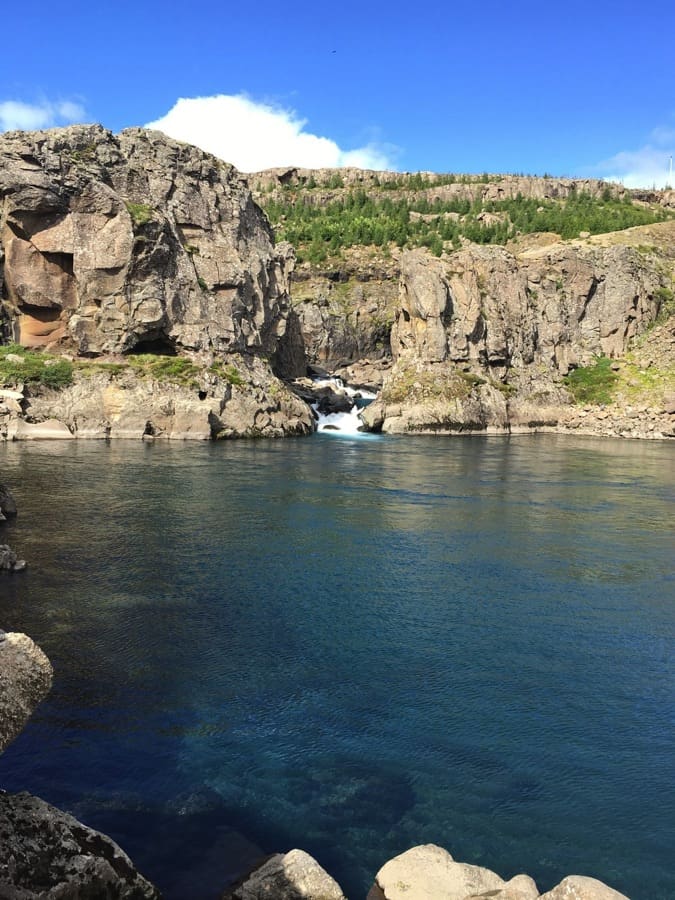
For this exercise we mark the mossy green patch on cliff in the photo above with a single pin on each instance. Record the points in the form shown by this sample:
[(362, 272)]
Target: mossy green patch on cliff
[(228, 372), (172, 369), (140, 213), (593, 384), (21, 366)]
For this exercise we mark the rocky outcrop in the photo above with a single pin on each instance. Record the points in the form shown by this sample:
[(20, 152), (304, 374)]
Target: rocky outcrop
[(484, 336), (290, 876), (114, 245), (25, 680), (233, 400), (114, 242), (47, 854)]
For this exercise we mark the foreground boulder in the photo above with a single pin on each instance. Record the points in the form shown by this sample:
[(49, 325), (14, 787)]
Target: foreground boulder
[(291, 876), (25, 680), (580, 887), (47, 854), (429, 872)]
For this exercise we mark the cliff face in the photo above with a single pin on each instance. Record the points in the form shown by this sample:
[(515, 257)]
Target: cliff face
[(484, 336), (114, 242), (118, 245)]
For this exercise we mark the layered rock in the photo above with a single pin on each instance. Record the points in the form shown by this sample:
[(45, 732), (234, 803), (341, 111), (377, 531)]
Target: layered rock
[(47, 854), (25, 680)]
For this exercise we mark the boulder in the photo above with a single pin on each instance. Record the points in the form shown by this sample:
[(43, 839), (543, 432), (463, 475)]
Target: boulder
[(9, 562), (46, 854), (25, 680), (520, 887), (291, 876), (580, 887), (429, 872)]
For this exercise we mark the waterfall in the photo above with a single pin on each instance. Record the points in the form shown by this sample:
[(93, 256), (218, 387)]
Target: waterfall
[(347, 422)]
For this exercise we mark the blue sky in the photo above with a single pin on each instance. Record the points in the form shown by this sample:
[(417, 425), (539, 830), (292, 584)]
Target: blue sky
[(574, 89)]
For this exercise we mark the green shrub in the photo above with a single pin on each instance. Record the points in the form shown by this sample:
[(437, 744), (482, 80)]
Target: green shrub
[(593, 384), (173, 369), (35, 368)]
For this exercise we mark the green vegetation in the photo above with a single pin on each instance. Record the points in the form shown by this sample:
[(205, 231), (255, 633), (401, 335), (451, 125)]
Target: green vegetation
[(172, 369), (229, 373), (360, 217), (140, 213), (30, 367), (594, 384), (666, 299)]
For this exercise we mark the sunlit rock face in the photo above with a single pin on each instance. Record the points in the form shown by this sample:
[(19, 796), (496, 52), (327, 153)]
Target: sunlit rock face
[(110, 243)]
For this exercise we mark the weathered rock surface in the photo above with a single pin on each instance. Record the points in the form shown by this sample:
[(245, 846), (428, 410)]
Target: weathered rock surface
[(25, 680), (136, 243), (291, 876), (580, 887), (484, 336), (47, 854), (111, 242), (429, 872)]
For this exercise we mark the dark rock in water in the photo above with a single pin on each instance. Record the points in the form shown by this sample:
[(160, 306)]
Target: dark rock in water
[(7, 504), (330, 428), (9, 562), (47, 854)]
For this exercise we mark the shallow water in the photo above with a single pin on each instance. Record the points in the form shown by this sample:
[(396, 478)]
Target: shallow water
[(354, 646)]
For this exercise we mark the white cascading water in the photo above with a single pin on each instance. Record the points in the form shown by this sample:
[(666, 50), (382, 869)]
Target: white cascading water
[(341, 423)]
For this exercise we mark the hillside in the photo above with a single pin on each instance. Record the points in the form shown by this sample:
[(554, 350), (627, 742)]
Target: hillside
[(476, 299)]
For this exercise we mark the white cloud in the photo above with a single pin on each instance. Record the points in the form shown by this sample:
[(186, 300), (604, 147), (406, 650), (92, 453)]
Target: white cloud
[(256, 136), (16, 115), (646, 167)]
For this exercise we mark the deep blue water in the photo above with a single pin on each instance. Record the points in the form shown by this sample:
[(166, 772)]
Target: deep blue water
[(354, 646)]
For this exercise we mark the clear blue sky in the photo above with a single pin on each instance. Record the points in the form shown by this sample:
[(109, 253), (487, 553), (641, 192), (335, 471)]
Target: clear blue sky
[(525, 86)]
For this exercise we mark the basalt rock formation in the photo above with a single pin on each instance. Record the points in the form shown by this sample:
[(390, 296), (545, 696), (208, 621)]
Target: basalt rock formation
[(484, 336), (118, 245)]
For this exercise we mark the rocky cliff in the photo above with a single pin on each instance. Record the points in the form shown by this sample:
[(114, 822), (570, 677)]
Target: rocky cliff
[(115, 246), (472, 302), (496, 321), (485, 337)]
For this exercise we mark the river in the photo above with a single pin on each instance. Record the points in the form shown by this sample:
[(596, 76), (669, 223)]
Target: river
[(354, 645)]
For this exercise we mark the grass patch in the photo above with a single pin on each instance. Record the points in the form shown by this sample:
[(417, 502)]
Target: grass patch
[(595, 384), (172, 369), (229, 373), (30, 367), (140, 213)]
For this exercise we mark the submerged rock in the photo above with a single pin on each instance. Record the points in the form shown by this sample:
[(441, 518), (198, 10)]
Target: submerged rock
[(291, 876), (46, 854), (25, 680)]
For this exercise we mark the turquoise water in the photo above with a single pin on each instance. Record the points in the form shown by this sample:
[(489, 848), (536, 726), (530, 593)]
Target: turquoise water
[(354, 646)]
